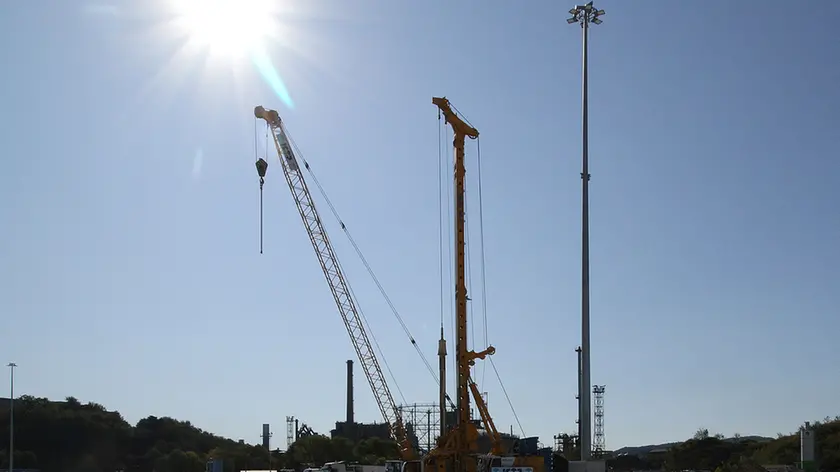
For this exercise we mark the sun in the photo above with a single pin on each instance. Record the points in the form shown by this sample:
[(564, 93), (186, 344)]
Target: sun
[(231, 28)]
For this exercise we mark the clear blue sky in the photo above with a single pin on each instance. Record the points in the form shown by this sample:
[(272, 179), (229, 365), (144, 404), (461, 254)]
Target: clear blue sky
[(130, 267)]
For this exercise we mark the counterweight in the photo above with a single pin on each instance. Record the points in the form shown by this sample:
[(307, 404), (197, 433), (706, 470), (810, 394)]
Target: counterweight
[(335, 278)]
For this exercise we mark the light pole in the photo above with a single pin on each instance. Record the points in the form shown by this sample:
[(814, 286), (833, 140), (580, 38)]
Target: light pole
[(585, 14), (11, 366)]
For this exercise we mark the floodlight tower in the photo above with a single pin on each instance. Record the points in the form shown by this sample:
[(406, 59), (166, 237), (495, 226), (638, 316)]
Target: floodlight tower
[(585, 14)]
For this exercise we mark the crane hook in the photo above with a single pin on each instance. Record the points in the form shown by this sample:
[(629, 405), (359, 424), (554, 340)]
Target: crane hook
[(262, 167)]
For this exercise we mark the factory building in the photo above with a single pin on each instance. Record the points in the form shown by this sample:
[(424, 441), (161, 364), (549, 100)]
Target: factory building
[(359, 431)]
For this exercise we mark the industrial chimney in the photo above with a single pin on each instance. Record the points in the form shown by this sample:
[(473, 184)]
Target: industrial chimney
[(350, 393), (266, 436)]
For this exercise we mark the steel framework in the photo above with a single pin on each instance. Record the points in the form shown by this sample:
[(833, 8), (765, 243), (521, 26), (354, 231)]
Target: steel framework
[(600, 444), (424, 419), (290, 431)]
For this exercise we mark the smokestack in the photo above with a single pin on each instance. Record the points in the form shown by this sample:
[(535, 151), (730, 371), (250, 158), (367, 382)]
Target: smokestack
[(350, 392), (266, 436), (297, 429)]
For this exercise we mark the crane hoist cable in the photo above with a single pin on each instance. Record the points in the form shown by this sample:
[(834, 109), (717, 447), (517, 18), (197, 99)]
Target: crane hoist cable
[(483, 277), (262, 167)]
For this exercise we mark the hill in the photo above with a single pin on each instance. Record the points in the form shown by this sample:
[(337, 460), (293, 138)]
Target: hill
[(711, 452), (68, 436), (643, 450)]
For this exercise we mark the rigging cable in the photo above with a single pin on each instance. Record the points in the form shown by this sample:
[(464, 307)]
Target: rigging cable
[(440, 220), (367, 266), (507, 397), (483, 258), (350, 288), (447, 297), (468, 275), (449, 166), (361, 312)]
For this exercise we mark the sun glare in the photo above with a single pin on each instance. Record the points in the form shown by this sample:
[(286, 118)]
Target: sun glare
[(231, 28)]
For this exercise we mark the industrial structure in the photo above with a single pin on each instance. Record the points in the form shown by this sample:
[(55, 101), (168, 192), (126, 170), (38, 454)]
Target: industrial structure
[(566, 443), (579, 395), (807, 448), (599, 446), (424, 419), (296, 430), (266, 436), (290, 431), (355, 431), (421, 420)]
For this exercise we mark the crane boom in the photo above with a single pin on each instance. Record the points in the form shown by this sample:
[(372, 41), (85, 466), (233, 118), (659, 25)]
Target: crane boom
[(335, 278)]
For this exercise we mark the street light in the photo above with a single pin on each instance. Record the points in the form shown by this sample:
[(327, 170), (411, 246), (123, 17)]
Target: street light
[(585, 14), (11, 366)]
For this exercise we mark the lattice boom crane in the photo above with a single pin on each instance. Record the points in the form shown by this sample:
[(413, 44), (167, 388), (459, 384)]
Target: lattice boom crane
[(335, 277)]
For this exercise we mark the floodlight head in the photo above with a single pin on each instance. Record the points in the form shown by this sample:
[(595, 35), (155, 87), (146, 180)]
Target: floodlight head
[(585, 14)]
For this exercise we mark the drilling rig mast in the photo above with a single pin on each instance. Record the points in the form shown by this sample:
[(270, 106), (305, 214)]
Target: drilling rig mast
[(457, 452)]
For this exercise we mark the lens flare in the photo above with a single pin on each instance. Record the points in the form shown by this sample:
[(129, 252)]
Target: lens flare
[(234, 29), (271, 76)]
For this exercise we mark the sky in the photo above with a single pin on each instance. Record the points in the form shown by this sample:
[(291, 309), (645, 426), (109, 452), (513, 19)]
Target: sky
[(130, 271)]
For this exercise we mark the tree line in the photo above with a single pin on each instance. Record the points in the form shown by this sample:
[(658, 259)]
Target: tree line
[(70, 436), (706, 451)]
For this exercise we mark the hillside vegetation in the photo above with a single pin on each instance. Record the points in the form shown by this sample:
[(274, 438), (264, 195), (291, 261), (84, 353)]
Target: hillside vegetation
[(70, 436), (712, 452)]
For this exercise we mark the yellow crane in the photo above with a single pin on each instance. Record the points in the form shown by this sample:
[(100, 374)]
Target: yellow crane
[(335, 278), (457, 448)]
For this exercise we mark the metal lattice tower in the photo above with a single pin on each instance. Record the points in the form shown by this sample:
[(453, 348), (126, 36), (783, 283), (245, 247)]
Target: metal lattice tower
[(599, 444), (290, 431)]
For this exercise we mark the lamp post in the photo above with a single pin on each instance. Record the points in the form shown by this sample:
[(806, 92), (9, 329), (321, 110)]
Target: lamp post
[(585, 14), (11, 366)]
